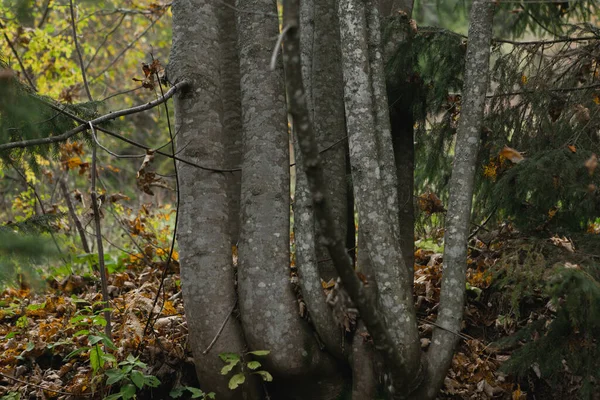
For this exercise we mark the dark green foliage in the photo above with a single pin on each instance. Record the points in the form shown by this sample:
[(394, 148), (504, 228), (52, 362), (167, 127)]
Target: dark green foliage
[(24, 115), (551, 180), (570, 336)]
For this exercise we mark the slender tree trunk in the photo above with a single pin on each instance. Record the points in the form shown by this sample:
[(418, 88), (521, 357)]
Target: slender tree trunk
[(451, 308), (399, 90), (322, 75), (269, 308), (204, 236), (374, 200), (232, 112)]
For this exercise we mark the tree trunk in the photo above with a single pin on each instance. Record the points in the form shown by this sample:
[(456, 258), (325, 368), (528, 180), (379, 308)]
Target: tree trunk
[(269, 308), (232, 113), (399, 86), (452, 295), (203, 233), (322, 74)]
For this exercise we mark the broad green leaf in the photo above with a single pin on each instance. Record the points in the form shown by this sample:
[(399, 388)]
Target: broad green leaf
[(196, 393), (260, 353), (137, 378), (128, 391), (151, 380), (229, 357), (76, 351), (264, 375), (176, 392), (236, 381), (114, 375), (96, 360), (93, 339), (253, 364), (211, 395), (227, 368)]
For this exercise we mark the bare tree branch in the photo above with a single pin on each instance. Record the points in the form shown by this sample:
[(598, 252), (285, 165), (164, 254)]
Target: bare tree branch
[(99, 120)]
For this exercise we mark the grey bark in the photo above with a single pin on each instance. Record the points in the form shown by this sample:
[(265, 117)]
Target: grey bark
[(204, 239), (364, 379), (371, 190), (268, 305), (322, 75), (400, 87), (452, 295), (232, 112)]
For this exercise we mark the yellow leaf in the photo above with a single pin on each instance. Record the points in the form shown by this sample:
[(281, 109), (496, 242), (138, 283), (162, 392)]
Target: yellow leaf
[(524, 79)]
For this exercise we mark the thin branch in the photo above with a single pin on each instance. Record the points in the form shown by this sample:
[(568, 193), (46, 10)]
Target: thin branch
[(278, 46), (12, 48), (121, 93), (545, 42), (134, 41), (569, 89), (133, 142), (150, 322), (212, 343), (96, 121), (96, 209), (78, 50), (74, 217), (101, 45)]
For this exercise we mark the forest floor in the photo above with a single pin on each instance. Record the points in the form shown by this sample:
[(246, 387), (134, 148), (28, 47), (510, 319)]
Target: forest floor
[(54, 345)]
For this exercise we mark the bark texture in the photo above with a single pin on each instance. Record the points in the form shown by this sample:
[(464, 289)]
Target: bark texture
[(269, 308), (400, 90), (322, 74), (204, 239), (371, 188), (232, 112), (461, 194)]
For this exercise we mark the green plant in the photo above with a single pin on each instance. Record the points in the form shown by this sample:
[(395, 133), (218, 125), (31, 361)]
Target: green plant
[(234, 359), (92, 322), (194, 392), (131, 377)]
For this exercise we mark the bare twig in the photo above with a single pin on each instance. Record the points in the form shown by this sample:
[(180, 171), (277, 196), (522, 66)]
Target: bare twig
[(78, 50), (96, 209), (96, 121), (74, 217), (150, 322), (212, 343), (138, 37), (278, 46)]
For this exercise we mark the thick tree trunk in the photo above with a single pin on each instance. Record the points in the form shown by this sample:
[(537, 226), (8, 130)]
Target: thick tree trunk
[(203, 232), (269, 308), (374, 196), (451, 308)]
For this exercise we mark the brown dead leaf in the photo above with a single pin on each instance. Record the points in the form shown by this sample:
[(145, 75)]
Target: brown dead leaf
[(563, 242), (512, 155), (572, 148)]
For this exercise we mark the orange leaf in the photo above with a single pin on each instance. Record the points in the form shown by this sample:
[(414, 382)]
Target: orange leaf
[(511, 154), (572, 148)]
